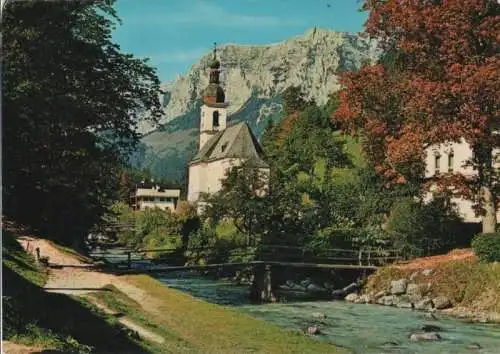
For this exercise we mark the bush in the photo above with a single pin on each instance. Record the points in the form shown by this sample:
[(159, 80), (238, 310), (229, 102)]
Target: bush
[(487, 247), (423, 229)]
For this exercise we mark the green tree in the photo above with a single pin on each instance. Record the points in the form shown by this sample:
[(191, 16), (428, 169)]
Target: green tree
[(72, 101), (242, 199)]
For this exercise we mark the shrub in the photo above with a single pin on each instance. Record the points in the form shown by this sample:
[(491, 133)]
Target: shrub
[(423, 229), (487, 247)]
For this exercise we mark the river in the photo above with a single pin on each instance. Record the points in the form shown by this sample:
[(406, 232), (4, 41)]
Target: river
[(362, 328)]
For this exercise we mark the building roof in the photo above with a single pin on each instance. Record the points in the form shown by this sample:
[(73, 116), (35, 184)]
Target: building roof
[(236, 141), (147, 192)]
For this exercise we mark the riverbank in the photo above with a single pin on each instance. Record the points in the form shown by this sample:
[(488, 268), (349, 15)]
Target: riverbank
[(455, 284), (79, 308)]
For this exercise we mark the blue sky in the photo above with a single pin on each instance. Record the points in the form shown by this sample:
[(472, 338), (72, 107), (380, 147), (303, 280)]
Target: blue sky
[(175, 33)]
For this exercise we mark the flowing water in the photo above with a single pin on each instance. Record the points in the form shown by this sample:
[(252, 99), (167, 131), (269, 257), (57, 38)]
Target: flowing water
[(362, 328)]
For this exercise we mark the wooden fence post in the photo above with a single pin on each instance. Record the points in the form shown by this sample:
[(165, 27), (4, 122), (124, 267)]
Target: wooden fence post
[(129, 259)]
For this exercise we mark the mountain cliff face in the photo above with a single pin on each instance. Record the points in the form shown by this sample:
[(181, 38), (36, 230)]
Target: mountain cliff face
[(254, 76)]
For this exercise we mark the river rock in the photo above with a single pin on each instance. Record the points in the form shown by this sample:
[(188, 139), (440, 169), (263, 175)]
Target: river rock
[(427, 336), (290, 284), (423, 305), (404, 305), (351, 297), (313, 288), (431, 328), (388, 300), (305, 283), (474, 346), (366, 299), (318, 315), (441, 302), (413, 289), (380, 294), (313, 330), (427, 272), (398, 287), (413, 276)]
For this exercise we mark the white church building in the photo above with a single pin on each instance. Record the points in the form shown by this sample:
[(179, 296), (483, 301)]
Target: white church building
[(221, 145), (451, 158)]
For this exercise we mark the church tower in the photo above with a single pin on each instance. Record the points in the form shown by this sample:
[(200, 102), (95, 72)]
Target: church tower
[(213, 111)]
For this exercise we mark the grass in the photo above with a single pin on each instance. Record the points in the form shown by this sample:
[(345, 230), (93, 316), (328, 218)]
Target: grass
[(119, 302), (212, 328), (467, 283), (64, 323), (71, 252)]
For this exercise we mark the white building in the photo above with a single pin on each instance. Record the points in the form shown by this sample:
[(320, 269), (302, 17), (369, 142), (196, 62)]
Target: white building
[(221, 145), (155, 196), (451, 158)]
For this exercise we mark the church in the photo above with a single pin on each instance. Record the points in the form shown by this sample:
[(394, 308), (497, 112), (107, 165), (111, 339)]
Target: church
[(222, 145)]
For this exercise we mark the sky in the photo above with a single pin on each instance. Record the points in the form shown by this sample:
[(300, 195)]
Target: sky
[(174, 34)]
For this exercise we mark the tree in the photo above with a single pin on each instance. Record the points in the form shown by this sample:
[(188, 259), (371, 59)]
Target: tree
[(294, 100), (438, 82), (242, 199), (72, 102)]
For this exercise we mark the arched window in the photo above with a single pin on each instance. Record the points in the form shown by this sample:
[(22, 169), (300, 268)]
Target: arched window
[(215, 120)]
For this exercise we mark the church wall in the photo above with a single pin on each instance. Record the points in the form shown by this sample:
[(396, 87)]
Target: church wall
[(207, 177)]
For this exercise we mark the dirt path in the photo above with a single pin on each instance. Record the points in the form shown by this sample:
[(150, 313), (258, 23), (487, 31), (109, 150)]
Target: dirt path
[(15, 348), (77, 277), (434, 261)]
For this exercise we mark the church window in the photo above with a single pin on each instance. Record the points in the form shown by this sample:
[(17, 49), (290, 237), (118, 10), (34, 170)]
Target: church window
[(451, 158), (215, 121), (437, 163)]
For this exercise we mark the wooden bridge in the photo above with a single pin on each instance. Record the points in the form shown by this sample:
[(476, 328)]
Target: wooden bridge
[(261, 261), (278, 255)]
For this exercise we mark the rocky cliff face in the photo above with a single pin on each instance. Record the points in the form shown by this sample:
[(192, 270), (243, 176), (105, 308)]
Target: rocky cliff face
[(311, 60), (254, 76)]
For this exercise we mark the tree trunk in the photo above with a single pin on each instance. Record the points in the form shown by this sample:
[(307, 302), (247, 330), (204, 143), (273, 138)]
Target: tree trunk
[(489, 219)]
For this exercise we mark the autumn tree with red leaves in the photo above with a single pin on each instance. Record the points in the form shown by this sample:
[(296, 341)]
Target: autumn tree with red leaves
[(438, 82)]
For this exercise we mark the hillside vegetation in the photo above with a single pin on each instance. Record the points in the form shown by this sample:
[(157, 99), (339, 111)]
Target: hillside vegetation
[(472, 287), (48, 320)]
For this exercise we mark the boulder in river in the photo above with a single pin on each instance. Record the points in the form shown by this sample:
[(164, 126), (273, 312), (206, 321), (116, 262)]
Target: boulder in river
[(352, 297), (313, 288), (404, 305), (388, 300), (313, 330), (441, 302), (431, 328), (474, 346), (426, 336), (398, 287), (424, 304), (380, 294), (427, 272), (413, 289)]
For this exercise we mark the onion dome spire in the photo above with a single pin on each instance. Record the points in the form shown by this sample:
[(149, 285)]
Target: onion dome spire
[(214, 94)]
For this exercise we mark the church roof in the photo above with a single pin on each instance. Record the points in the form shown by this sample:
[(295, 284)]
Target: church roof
[(236, 141)]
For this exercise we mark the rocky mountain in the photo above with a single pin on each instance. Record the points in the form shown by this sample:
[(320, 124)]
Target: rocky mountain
[(254, 76)]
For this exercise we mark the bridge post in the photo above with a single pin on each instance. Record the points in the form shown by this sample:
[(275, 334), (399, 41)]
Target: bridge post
[(262, 286)]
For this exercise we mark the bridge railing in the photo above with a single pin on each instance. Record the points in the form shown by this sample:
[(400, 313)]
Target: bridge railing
[(361, 257)]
